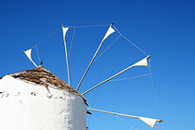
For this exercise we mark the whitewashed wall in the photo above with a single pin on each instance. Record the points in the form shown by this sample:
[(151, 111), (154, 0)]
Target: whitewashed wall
[(54, 110)]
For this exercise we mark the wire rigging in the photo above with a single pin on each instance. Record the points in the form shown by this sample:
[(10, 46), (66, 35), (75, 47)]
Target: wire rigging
[(131, 77), (110, 94), (66, 26), (155, 95), (38, 55), (107, 48), (101, 25), (130, 41), (158, 127), (88, 26), (100, 75), (46, 37), (125, 122), (72, 40)]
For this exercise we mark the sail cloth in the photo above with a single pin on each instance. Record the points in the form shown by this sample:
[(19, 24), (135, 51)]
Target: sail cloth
[(110, 31), (149, 121), (28, 54), (65, 29), (143, 62)]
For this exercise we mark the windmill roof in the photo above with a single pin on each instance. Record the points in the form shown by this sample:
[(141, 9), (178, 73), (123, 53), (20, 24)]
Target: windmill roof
[(43, 77)]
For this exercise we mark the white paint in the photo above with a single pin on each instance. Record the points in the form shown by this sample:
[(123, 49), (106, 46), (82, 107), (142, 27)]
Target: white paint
[(28, 54), (151, 122), (109, 32), (54, 110), (143, 62)]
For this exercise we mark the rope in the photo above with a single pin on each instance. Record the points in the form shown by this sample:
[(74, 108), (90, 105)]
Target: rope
[(131, 77), (115, 90), (100, 75), (107, 48), (130, 41), (38, 54), (125, 122), (88, 26), (158, 127), (66, 26), (46, 37), (155, 95), (72, 40), (111, 93)]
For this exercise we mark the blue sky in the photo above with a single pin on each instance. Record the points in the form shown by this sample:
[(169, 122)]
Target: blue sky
[(163, 29)]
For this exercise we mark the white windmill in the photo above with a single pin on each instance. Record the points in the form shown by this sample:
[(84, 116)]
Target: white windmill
[(37, 100)]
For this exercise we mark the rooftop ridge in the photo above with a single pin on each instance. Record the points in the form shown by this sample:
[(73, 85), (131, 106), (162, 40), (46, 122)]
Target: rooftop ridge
[(44, 77)]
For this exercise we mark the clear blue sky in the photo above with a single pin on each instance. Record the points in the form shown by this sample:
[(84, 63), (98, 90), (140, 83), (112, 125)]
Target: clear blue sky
[(164, 29)]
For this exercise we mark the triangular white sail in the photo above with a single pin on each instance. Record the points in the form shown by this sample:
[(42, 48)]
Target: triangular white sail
[(110, 31), (149, 121), (65, 29), (28, 54), (143, 62)]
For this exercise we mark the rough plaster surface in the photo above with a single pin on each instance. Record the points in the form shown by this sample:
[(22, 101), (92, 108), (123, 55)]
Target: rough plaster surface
[(27, 106)]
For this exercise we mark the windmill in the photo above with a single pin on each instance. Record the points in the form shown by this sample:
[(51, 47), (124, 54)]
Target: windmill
[(73, 108)]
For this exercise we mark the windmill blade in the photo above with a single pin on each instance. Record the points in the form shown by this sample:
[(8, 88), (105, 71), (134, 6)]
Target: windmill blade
[(142, 62), (149, 121), (108, 33), (28, 54), (65, 29)]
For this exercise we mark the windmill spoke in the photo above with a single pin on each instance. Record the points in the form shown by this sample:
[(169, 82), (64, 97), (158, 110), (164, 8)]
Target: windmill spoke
[(110, 31)]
